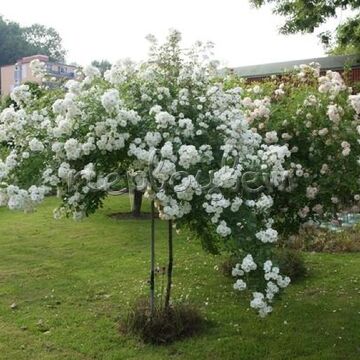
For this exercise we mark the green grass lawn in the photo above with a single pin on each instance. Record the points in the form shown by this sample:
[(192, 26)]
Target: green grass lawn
[(72, 281)]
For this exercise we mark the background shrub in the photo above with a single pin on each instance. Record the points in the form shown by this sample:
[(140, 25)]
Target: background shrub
[(321, 240)]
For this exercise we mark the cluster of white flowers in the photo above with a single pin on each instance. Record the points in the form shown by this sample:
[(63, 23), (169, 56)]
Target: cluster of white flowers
[(307, 70), (248, 264), (38, 68), (110, 100), (4, 170), (267, 236), (65, 171), (120, 72), (323, 131), (311, 192), (279, 92), (303, 213), (215, 204), (170, 208), (274, 282), (271, 137), (235, 204), (334, 113), (88, 173), (187, 188), (264, 203), (273, 158), (261, 301), (222, 229), (21, 94), (345, 148), (188, 156), (273, 273), (36, 145), (256, 109), (237, 271), (240, 285), (227, 177), (16, 198), (72, 148), (91, 72), (311, 101), (186, 127), (163, 120), (153, 139), (332, 83), (73, 86), (355, 102), (164, 169)]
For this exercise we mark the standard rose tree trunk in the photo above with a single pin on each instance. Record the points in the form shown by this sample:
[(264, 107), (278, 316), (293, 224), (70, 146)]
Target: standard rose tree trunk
[(138, 195), (152, 265), (170, 265)]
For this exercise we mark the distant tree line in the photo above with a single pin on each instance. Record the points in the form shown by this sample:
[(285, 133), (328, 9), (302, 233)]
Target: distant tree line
[(17, 41)]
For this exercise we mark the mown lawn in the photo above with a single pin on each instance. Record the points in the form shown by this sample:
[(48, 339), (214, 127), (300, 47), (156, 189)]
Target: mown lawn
[(71, 282)]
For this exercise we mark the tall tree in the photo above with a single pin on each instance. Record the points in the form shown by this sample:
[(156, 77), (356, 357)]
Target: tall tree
[(306, 15), (17, 41), (347, 40), (12, 43), (102, 65), (46, 40)]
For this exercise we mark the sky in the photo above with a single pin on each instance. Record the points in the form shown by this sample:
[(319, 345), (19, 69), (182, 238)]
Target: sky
[(115, 29)]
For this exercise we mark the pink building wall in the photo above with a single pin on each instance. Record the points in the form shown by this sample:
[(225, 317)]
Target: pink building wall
[(16, 74)]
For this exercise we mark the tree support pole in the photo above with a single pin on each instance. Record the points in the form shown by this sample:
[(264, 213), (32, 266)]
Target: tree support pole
[(152, 265), (170, 265)]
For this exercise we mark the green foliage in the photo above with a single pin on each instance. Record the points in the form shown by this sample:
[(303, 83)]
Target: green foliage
[(46, 40), (17, 42), (347, 39), (305, 16), (30, 174), (12, 42), (291, 263), (35, 89), (5, 102), (102, 65), (356, 87)]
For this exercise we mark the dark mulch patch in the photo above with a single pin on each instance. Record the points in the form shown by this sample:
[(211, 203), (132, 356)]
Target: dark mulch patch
[(130, 216), (165, 326)]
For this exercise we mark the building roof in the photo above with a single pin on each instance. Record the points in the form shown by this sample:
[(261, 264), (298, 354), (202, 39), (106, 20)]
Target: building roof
[(326, 63), (28, 59)]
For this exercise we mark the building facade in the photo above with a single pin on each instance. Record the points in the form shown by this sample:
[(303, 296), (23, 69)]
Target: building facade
[(334, 63), (16, 74)]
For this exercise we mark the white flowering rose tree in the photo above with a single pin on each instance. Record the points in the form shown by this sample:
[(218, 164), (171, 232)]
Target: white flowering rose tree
[(318, 118), (185, 139)]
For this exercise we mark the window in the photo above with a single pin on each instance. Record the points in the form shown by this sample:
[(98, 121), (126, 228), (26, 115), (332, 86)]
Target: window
[(17, 75), (23, 71)]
